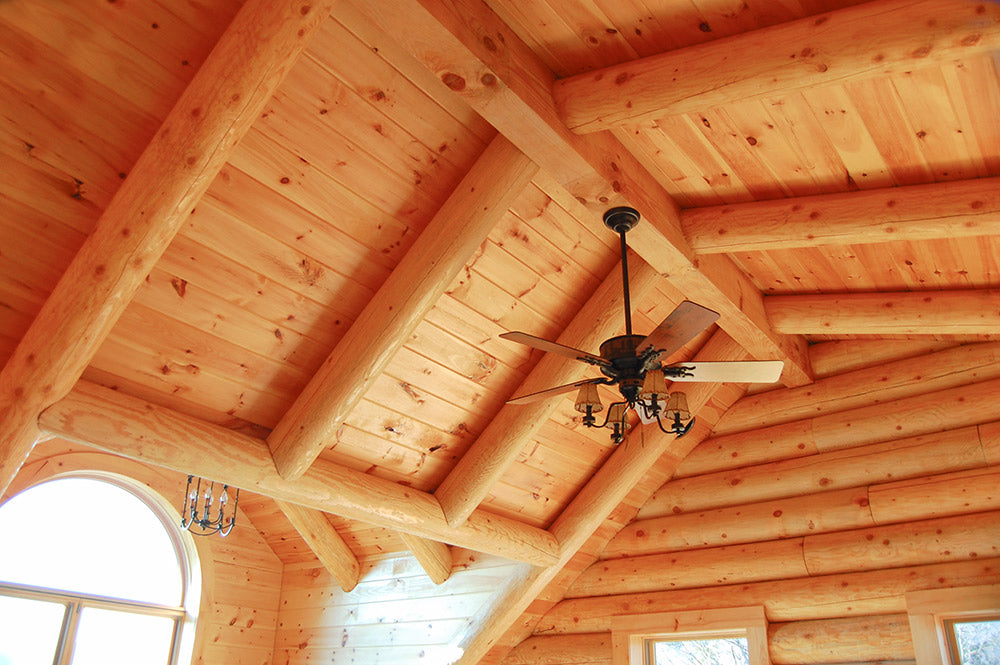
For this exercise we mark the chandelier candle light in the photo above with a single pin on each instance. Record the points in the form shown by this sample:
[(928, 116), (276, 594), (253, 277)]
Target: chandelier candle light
[(205, 525), (632, 362)]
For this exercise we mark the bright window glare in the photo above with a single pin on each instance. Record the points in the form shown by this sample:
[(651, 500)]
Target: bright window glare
[(716, 651), (107, 637), (89, 536), (29, 630), (978, 642)]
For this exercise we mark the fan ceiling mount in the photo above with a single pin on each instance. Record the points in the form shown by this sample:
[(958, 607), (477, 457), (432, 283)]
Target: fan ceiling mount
[(632, 362)]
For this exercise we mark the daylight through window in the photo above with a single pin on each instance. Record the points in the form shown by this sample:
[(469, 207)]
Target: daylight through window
[(93, 573), (710, 651), (974, 641)]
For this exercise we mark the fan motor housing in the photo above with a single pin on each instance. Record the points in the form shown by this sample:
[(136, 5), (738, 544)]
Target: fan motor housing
[(625, 363)]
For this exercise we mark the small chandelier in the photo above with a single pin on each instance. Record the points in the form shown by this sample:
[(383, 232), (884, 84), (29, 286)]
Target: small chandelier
[(204, 524), (652, 403)]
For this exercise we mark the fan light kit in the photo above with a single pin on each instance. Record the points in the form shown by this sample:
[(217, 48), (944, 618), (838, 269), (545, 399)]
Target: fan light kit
[(632, 362)]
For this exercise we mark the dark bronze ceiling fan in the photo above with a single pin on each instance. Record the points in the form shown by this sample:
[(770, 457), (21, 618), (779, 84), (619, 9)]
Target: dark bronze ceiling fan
[(632, 362)]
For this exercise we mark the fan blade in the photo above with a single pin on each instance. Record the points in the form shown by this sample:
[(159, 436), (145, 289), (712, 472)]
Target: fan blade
[(679, 328), (558, 390), (553, 347), (746, 371)]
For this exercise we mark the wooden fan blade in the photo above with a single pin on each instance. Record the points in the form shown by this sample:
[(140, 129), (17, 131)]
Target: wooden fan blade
[(746, 371), (680, 327), (558, 390), (554, 347)]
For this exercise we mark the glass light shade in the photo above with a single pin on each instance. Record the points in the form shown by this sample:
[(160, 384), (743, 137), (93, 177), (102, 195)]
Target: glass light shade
[(653, 384), (588, 397), (616, 414), (678, 404)]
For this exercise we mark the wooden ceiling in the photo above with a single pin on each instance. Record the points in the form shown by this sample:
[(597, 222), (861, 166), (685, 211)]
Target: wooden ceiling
[(306, 242)]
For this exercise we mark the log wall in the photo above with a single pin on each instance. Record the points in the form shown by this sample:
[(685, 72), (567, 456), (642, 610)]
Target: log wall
[(824, 508), (241, 575)]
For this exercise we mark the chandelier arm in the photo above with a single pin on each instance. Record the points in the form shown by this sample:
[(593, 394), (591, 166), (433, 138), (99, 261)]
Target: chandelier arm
[(607, 415)]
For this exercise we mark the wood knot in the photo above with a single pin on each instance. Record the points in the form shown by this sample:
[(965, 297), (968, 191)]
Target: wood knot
[(454, 81)]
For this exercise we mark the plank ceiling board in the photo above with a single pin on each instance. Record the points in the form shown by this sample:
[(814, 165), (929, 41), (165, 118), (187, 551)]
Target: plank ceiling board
[(345, 167), (577, 36), (318, 204), (365, 541), (77, 112)]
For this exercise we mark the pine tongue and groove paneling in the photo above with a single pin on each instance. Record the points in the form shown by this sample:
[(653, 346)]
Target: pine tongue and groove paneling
[(366, 542), (394, 614), (576, 37), (70, 131)]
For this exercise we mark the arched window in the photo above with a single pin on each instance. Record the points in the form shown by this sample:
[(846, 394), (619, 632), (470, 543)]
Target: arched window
[(92, 570)]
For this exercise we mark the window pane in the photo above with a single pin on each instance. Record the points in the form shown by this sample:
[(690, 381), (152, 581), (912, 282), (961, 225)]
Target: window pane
[(716, 651), (89, 536), (29, 630), (978, 642), (106, 637)]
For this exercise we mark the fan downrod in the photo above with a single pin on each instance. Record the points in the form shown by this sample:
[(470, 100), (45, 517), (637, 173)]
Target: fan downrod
[(621, 219)]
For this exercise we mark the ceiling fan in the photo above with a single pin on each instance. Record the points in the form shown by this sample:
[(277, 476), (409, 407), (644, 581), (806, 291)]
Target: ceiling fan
[(632, 362)]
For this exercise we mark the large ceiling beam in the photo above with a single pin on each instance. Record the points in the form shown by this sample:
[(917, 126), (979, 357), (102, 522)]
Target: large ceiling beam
[(417, 283), (482, 465), (481, 59), (214, 112), (433, 557), (920, 212), (323, 539), (127, 426), (974, 312), (876, 38)]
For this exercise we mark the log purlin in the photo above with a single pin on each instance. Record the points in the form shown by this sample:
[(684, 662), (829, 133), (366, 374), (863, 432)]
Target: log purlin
[(917, 212), (213, 113), (871, 39), (504, 81), (107, 420), (458, 228)]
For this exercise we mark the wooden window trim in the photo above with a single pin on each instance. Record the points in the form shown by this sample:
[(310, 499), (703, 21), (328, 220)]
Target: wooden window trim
[(629, 633), (929, 610)]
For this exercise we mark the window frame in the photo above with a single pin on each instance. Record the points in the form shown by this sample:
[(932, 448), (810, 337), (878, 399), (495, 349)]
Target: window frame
[(184, 615), (931, 611), (631, 633)]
